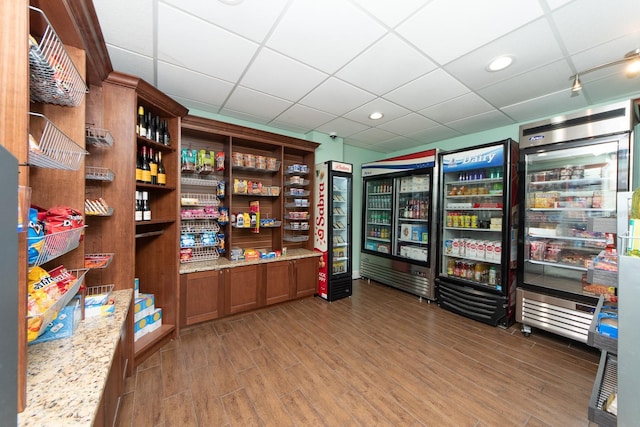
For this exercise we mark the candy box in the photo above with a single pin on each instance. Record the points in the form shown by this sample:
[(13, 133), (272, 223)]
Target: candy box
[(65, 324), (140, 328), (154, 320), (106, 309)]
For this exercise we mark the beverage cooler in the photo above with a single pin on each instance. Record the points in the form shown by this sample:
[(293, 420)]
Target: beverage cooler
[(333, 233), (397, 220), (477, 251), (572, 167)]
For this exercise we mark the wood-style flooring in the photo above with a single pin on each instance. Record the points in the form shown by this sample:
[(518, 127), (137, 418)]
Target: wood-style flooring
[(379, 358)]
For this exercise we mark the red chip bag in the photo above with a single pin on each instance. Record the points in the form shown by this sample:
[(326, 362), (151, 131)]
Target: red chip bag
[(62, 218)]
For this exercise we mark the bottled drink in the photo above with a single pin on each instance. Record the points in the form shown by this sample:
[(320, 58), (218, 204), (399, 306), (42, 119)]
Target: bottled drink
[(149, 120), (141, 126), (138, 215), (156, 130), (146, 168), (146, 207), (162, 175), (153, 166), (138, 166), (166, 136)]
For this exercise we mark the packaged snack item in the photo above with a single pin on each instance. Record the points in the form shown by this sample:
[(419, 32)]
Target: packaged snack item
[(187, 240), (186, 254), (35, 235), (220, 190), (43, 291), (208, 239), (220, 161), (223, 217), (63, 278), (62, 218), (221, 248)]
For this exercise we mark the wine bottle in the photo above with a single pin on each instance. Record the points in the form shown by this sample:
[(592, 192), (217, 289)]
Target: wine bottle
[(141, 128), (138, 215), (162, 176), (157, 130), (146, 168), (153, 166), (167, 136), (138, 166), (146, 206), (149, 133)]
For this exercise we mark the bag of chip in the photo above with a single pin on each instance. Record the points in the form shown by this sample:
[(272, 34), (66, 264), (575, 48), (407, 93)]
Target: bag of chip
[(43, 291), (62, 218), (35, 236)]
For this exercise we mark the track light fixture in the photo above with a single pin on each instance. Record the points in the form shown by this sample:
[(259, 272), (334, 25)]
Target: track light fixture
[(632, 70)]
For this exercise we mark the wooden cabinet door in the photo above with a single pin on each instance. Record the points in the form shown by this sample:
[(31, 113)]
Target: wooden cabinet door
[(201, 296), (242, 288), (306, 276), (278, 282)]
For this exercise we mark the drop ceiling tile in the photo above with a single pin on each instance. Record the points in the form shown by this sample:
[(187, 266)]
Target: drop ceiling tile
[(389, 63), (132, 63), (471, 69), (395, 144), (336, 97), (448, 29), (255, 103), (194, 107), (302, 117), (190, 42), (373, 136), (554, 4), (545, 106), (434, 134), (324, 34), (131, 30), (245, 116), (201, 88), (463, 106), (604, 53), (390, 110), (343, 127), (251, 19), (552, 77), (611, 87), (484, 121), (292, 81), (408, 124), (587, 23), (391, 13), (430, 89)]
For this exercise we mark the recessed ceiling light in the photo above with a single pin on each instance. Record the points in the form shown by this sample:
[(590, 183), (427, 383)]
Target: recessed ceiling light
[(231, 2), (376, 116), (500, 63)]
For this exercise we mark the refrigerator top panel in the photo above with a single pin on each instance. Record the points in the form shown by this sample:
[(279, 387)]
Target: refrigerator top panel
[(594, 122), (485, 157), (406, 163), (340, 166)]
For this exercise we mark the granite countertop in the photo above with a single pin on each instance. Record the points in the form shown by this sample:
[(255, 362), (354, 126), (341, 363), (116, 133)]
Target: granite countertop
[(66, 377), (220, 263)]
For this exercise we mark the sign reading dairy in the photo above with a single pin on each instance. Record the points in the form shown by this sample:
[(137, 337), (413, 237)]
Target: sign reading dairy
[(332, 228)]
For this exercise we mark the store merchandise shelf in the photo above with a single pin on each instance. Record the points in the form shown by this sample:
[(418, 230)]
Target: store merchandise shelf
[(200, 254), (98, 174), (53, 149), (54, 77), (199, 199), (98, 261), (196, 180), (595, 338), (54, 245), (98, 137), (199, 226), (51, 313), (606, 383), (291, 238)]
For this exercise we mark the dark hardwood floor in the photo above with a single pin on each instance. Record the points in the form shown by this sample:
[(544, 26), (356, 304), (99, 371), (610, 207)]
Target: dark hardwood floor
[(379, 358)]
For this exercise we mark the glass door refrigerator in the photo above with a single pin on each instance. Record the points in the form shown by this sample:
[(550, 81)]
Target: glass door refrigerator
[(571, 168), (397, 220), (332, 232), (477, 250)]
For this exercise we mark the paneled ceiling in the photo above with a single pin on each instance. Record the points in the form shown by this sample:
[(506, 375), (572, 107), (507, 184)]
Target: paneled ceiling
[(325, 65)]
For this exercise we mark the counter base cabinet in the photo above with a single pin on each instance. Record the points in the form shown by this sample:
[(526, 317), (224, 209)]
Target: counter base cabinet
[(279, 282), (306, 276), (242, 289), (201, 296)]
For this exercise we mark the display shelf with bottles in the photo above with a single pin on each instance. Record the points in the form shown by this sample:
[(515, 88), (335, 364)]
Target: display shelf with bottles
[(473, 213), (256, 191)]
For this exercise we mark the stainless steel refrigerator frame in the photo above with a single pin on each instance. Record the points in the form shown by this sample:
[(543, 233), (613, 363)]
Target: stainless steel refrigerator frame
[(558, 312)]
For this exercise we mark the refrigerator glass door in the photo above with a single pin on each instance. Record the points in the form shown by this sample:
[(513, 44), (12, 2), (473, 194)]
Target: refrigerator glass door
[(472, 232), (411, 221), (570, 199), (341, 241), (377, 229)]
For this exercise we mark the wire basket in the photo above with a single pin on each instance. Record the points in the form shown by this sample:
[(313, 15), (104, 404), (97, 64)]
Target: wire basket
[(199, 181), (98, 137), (198, 254), (51, 313), (54, 245), (199, 199), (98, 174), (53, 149), (54, 77), (210, 226), (98, 261)]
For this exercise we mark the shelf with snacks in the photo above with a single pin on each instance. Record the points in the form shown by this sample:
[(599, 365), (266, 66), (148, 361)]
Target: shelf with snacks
[(50, 147)]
